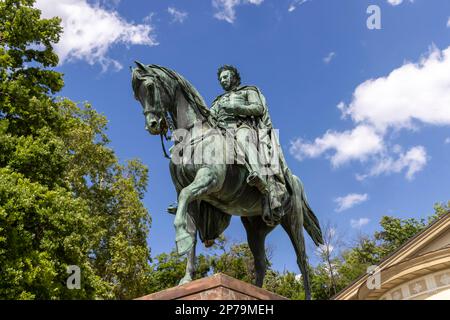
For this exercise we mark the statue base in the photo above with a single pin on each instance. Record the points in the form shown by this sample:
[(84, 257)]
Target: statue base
[(216, 287)]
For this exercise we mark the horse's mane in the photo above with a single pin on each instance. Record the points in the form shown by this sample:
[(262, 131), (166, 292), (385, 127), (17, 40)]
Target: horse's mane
[(190, 93)]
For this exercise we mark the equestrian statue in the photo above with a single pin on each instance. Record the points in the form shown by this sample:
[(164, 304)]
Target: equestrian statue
[(226, 160)]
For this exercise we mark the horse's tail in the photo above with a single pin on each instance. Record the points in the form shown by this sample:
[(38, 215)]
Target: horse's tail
[(310, 221)]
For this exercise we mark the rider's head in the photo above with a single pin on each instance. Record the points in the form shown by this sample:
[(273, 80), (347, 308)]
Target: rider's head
[(228, 77)]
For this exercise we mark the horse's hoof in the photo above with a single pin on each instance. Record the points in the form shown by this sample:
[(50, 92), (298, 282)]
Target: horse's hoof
[(186, 279), (184, 244)]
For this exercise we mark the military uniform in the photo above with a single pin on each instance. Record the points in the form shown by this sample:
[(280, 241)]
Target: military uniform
[(243, 111)]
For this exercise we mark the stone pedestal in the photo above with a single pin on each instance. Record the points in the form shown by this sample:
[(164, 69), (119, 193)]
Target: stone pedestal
[(216, 287)]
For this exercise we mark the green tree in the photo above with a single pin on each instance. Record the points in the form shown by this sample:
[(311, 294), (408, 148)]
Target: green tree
[(439, 210), (64, 197), (396, 232), (168, 269), (286, 284), (235, 260)]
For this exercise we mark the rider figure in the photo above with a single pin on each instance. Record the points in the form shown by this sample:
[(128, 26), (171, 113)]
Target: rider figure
[(242, 110)]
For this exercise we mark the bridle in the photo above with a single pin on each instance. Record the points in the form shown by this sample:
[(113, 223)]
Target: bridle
[(165, 119)]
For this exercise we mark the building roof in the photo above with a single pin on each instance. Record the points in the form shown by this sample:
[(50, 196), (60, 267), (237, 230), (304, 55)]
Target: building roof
[(427, 251)]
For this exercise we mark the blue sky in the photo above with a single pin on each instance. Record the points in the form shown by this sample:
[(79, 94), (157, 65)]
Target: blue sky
[(363, 114)]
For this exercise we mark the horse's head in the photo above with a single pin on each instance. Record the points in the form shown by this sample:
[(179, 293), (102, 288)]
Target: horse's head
[(147, 91)]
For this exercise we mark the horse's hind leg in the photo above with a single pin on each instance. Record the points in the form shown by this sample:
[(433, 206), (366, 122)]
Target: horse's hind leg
[(257, 231), (205, 182), (293, 224)]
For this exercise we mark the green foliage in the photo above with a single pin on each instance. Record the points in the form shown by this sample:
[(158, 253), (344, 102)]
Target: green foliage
[(233, 259), (64, 198), (43, 231), (237, 262), (323, 285), (168, 269), (439, 210), (396, 232), (285, 284)]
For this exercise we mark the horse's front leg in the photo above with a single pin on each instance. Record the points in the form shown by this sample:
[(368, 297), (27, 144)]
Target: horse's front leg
[(190, 265), (205, 182)]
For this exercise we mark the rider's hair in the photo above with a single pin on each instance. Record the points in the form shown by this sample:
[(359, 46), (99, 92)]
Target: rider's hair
[(234, 71)]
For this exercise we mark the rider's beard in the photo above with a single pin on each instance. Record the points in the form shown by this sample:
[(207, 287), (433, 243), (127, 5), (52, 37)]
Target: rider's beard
[(226, 86), (229, 85)]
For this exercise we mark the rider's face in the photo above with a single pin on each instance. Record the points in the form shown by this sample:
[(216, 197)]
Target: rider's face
[(226, 79)]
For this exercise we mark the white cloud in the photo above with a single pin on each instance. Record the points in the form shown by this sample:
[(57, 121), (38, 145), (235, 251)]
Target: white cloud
[(226, 8), (349, 201), (447, 140), (357, 144), (448, 23), (90, 30), (359, 223), (412, 95), (413, 92), (177, 15), (413, 161), (295, 4), (397, 2), (329, 57)]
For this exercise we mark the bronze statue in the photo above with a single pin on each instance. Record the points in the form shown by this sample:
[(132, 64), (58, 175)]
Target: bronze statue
[(210, 188), (242, 109)]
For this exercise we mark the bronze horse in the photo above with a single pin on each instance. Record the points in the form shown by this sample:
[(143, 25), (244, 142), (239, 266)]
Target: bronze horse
[(209, 194)]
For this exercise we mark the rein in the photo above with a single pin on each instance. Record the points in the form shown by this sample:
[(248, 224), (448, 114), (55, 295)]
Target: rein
[(164, 147), (163, 135)]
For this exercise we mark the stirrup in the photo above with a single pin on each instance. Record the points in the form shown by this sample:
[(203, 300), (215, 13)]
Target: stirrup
[(208, 243), (172, 209)]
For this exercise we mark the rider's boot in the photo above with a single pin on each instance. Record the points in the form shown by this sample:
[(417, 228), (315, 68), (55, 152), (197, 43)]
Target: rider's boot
[(266, 212), (273, 209)]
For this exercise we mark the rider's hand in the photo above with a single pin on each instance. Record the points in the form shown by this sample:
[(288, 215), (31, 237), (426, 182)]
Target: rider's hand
[(228, 106)]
